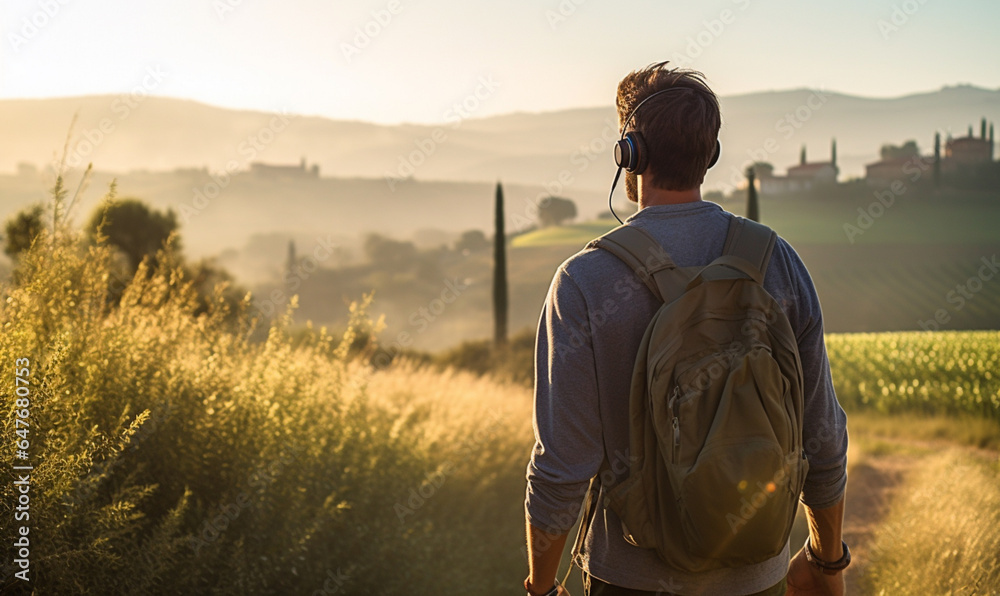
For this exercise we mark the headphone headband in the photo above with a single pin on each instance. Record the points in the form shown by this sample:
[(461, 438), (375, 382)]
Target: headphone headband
[(644, 100)]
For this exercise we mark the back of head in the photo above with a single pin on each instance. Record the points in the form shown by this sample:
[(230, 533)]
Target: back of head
[(680, 128)]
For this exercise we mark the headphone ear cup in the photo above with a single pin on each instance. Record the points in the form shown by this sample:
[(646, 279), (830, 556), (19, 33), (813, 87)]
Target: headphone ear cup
[(638, 157), (718, 152), (623, 153), (641, 153), (630, 153)]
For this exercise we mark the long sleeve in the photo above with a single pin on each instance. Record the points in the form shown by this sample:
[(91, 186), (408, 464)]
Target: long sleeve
[(824, 430), (568, 446)]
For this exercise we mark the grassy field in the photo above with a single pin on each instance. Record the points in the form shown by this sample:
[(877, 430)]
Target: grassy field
[(918, 487), (577, 234)]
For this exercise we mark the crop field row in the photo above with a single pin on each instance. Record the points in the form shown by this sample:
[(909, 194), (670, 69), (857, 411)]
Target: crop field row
[(953, 373)]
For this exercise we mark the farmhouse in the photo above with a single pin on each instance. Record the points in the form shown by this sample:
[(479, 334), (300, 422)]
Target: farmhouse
[(258, 168), (802, 177), (904, 163)]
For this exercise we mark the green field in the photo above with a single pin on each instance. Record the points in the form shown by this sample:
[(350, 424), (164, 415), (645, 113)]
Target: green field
[(952, 373), (568, 235), (920, 217)]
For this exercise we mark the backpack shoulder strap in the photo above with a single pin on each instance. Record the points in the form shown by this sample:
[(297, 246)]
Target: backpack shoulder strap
[(750, 241), (646, 257)]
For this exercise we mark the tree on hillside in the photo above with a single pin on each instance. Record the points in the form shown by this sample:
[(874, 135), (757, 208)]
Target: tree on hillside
[(553, 211), (22, 229), (471, 240), (133, 227), (753, 208), (292, 260), (388, 254), (905, 151), (937, 159), (500, 294)]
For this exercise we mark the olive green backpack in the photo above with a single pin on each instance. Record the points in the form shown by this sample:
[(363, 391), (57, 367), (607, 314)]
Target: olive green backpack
[(716, 462)]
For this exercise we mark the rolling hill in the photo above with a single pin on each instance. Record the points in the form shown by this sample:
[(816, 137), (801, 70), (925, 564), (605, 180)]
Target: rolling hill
[(159, 133)]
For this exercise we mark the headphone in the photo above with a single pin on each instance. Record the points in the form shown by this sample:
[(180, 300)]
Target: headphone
[(631, 153)]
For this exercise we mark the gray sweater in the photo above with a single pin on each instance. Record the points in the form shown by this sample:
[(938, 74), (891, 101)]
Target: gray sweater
[(591, 325)]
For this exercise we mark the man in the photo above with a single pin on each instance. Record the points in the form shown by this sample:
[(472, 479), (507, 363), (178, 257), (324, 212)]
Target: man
[(590, 329)]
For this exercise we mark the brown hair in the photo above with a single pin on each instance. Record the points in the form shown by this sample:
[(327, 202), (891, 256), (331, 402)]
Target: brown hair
[(680, 128)]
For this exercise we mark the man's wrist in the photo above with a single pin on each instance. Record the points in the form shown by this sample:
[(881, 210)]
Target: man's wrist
[(827, 566), (830, 550)]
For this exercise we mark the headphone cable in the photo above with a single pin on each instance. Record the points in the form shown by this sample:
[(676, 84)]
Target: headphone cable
[(612, 193)]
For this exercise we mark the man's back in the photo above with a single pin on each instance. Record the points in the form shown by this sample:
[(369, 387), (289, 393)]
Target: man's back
[(591, 327)]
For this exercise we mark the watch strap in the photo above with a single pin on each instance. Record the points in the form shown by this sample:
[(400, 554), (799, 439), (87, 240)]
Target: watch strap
[(828, 567)]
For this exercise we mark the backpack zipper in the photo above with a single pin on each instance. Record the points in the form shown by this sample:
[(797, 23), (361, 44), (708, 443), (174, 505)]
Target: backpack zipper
[(677, 437), (676, 422)]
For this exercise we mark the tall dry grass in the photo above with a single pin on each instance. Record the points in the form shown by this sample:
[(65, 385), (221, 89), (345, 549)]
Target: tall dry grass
[(174, 455), (942, 535)]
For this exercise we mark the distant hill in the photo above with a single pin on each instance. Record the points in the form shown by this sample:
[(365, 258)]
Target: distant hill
[(526, 148), (215, 220)]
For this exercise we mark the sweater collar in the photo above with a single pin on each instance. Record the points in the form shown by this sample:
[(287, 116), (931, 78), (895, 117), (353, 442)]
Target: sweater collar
[(670, 210)]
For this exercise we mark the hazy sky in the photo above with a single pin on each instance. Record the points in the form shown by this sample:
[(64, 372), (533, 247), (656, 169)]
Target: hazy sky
[(412, 60)]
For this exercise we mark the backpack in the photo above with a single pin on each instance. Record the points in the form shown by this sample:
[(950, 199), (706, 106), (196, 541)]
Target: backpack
[(716, 463)]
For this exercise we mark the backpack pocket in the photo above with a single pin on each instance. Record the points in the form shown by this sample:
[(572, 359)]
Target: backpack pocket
[(735, 503), (736, 469)]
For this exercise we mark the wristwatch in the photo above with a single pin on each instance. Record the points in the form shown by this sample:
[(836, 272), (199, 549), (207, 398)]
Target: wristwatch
[(826, 566), (552, 592)]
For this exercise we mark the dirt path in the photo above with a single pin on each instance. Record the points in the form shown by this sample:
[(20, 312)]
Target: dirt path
[(873, 483), (871, 486)]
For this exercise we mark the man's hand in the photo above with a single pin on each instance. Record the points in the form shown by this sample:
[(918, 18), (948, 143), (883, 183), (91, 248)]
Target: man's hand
[(805, 579), (825, 530)]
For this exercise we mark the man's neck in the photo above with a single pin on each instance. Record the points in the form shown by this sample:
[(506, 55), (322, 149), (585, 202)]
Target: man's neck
[(649, 195)]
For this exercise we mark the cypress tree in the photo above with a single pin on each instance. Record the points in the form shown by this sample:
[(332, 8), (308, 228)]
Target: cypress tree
[(937, 159), (802, 156), (292, 259), (753, 208), (982, 129), (500, 300), (991, 141), (833, 153)]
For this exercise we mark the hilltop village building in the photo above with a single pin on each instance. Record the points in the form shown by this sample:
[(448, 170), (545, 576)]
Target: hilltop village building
[(963, 153), (898, 164), (267, 170), (802, 177)]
